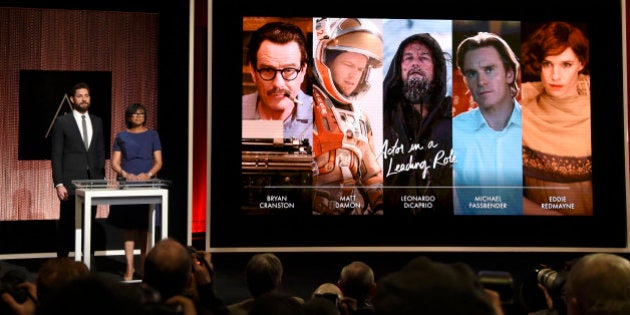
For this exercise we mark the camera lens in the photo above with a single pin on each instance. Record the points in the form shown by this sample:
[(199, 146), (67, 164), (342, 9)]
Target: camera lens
[(550, 279), (547, 276)]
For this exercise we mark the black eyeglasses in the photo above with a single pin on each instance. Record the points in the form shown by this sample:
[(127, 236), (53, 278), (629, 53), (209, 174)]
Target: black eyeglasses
[(269, 74), (138, 114)]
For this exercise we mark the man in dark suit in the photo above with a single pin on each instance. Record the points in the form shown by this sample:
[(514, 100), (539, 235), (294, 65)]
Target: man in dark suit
[(75, 157)]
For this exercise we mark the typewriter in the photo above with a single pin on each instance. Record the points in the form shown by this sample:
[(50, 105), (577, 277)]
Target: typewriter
[(277, 176)]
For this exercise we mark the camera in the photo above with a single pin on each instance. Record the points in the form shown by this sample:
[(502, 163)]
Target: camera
[(200, 259), (10, 284), (18, 294), (551, 280), (500, 281)]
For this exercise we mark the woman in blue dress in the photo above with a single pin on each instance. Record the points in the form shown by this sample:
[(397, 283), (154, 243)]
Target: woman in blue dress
[(136, 156)]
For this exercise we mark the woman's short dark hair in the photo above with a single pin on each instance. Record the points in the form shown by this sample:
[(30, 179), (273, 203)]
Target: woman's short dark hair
[(132, 109)]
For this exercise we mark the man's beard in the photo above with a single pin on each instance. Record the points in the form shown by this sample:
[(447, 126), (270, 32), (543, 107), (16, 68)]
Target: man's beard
[(82, 108), (416, 89)]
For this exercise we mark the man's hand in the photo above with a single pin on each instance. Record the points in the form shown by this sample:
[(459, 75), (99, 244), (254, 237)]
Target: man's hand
[(495, 300), (29, 307), (203, 270), (62, 192)]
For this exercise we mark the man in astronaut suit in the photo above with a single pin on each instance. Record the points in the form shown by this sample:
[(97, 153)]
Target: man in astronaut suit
[(349, 179)]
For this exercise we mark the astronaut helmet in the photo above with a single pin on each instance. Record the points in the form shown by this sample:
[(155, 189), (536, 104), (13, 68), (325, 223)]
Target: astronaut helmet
[(347, 35)]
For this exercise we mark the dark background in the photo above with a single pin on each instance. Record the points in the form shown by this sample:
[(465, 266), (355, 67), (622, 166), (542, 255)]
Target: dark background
[(42, 100)]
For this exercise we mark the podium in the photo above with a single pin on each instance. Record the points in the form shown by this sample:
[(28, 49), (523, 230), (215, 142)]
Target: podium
[(97, 192)]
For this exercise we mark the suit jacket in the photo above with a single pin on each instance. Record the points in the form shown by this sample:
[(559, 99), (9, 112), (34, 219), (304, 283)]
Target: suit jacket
[(241, 308), (70, 160)]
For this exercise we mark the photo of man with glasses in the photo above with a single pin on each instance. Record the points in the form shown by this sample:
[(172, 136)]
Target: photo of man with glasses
[(277, 136), (278, 63)]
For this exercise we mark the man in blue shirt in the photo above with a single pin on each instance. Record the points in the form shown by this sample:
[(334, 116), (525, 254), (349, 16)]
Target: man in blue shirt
[(488, 168)]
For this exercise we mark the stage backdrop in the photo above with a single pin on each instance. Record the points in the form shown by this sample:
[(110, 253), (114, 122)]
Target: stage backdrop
[(123, 43)]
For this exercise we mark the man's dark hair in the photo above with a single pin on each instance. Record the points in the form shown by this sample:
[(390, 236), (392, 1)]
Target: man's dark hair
[(393, 82), (80, 85), (279, 33)]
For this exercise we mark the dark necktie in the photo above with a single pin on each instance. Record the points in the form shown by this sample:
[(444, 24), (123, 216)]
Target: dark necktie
[(85, 135)]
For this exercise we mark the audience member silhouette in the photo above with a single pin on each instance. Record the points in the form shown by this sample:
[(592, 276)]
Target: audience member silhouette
[(168, 268), (598, 284), (330, 292), (91, 294), (172, 270), (52, 274), (181, 280), (55, 272), (424, 286), (357, 283), (263, 274)]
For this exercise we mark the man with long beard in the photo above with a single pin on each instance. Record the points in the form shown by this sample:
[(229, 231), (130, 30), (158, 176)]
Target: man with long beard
[(417, 136)]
